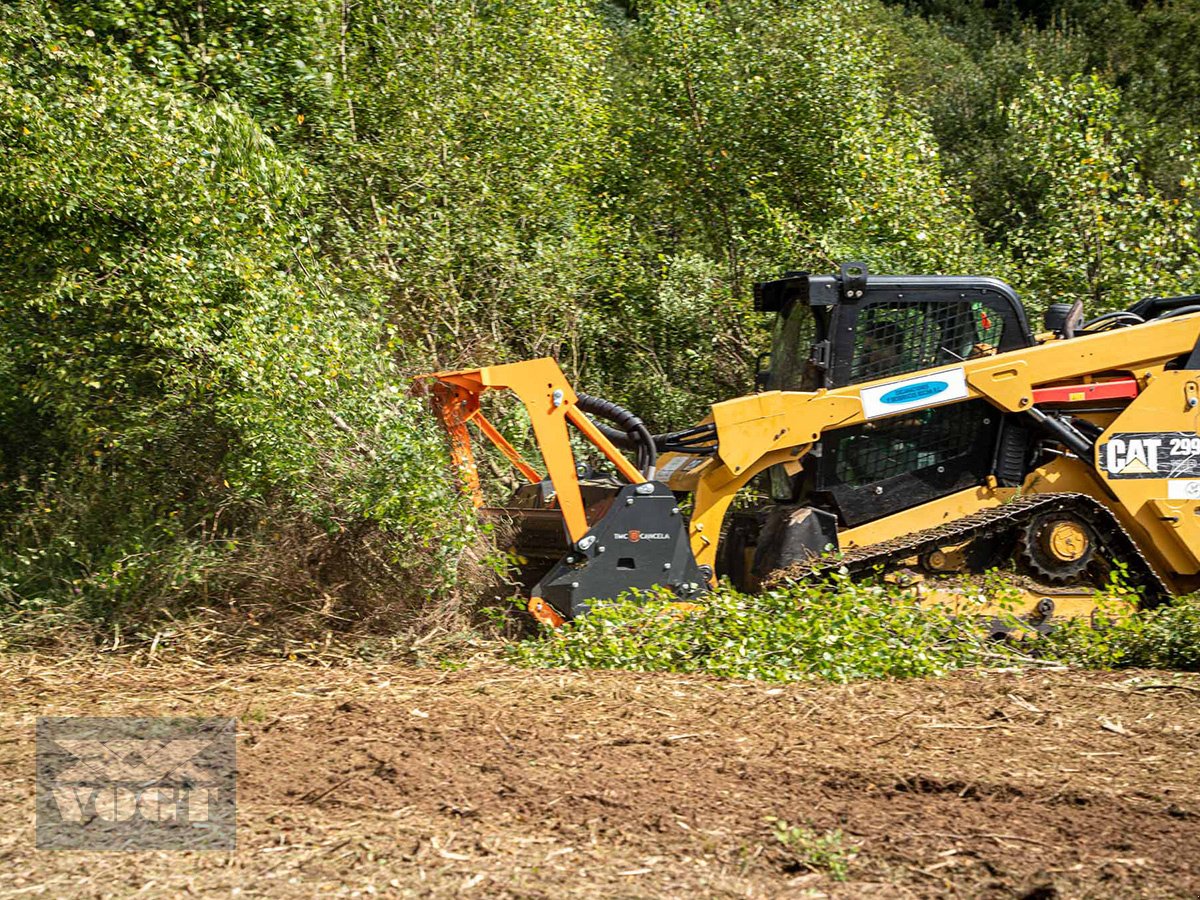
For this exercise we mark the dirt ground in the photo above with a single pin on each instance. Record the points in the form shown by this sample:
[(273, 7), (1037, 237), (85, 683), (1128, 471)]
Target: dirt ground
[(497, 782)]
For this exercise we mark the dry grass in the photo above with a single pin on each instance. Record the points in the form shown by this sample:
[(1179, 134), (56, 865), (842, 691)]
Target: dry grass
[(298, 592)]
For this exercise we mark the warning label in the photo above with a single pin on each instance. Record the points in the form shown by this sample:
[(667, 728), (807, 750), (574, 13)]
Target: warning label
[(680, 464), (1151, 454)]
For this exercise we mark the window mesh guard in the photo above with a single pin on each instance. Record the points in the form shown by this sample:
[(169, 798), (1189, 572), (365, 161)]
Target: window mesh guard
[(875, 451), (896, 339)]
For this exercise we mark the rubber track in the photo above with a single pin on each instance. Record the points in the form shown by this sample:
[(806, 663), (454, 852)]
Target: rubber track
[(1116, 544)]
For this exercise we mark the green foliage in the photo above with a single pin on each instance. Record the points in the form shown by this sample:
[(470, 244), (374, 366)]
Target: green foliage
[(1073, 125), (769, 137), (815, 851), (749, 139), (231, 231), (174, 347), (1167, 637), (839, 630), (843, 631), (273, 58), (1086, 222), (460, 165)]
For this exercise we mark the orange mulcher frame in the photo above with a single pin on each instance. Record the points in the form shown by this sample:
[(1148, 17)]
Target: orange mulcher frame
[(551, 403)]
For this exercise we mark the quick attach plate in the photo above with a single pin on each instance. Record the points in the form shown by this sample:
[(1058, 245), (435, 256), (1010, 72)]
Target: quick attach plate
[(641, 542)]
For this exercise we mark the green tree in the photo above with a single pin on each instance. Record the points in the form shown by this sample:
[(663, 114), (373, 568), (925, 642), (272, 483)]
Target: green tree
[(461, 164), (177, 357), (755, 138), (1092, 225)]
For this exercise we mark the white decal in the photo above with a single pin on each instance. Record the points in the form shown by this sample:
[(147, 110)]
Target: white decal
[(671, 466), (633, 536), (1183, 489), (1151, 454), (914, 393), (678, 465)]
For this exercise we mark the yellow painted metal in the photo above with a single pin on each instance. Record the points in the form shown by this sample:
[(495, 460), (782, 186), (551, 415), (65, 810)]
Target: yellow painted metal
[(927, 515), (715, 490), (1172, 527), (1067, 474), (1182, 520), (761, 427), (1022, 601), (775, 420), (951, 558), (1005, 383), (1065, 541), (758, 431), (683, 474)]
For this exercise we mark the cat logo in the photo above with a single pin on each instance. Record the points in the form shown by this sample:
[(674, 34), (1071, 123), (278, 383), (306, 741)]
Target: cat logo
[(1132, 456)]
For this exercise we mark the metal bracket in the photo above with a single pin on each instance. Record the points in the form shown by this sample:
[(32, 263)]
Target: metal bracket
[(641, 542), (854, 280), (1193, 361), (820, 354)]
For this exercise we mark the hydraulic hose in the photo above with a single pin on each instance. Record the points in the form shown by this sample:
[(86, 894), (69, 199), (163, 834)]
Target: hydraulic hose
[(1112, 319), (631, 432), (1070, 437), (1182, 311)]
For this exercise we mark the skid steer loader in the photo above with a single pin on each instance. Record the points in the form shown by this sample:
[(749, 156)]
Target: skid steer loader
[(913, 426)]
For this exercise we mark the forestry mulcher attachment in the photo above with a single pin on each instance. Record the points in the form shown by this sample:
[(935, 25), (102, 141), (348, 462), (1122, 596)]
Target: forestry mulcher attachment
[(913, 426)]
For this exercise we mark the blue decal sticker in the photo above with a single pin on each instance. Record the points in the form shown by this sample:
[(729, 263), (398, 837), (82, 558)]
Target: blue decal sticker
[(912, 393)]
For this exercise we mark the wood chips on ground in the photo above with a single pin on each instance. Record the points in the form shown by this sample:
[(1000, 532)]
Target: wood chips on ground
[(496, 782)]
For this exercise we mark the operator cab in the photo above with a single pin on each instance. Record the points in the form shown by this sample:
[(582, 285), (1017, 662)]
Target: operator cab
[(852, 328)]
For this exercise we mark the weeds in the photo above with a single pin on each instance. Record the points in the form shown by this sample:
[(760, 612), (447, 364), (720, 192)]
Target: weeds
[(1167, 637), (842, 630), (807, 849)]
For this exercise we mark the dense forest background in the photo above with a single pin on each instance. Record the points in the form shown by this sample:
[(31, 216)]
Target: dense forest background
[(231, 231)]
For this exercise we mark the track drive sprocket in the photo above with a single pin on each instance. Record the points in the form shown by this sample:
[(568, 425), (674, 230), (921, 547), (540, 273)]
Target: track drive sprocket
[(1058, 546)]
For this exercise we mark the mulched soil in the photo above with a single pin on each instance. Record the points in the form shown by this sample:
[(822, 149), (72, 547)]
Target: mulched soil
[(498, 782)]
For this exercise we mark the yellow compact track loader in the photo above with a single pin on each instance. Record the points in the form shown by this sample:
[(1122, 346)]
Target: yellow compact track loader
[(913, 426)]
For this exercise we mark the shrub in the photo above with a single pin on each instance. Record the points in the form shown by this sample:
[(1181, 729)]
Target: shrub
[(1167, 637), (184, 377), (837, 630)]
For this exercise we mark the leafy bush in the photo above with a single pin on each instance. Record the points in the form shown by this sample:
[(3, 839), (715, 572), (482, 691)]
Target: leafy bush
[(184, 378), (750, 139), (1084, 221), (1167, 637), (230, 231), (842, 630), (839, 630)]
